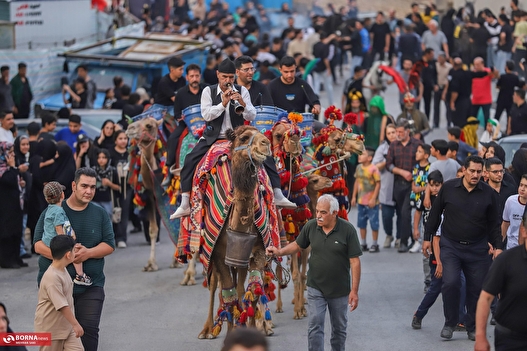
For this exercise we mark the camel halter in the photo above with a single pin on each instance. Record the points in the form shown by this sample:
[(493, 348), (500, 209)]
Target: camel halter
[(247, 147)]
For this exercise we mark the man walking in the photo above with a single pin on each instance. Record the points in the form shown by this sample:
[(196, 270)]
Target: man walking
[(21, 91), (334, 249), (400, 161), (471, 221), (95, 237)]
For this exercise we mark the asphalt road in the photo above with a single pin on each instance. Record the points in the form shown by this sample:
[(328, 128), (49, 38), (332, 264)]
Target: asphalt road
[(152, 311)]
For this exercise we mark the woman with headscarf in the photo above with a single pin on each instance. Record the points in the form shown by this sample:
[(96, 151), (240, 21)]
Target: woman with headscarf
[(106, 140), (65, 167), (4, 328), (42, 167), (375, 123), (22, 154), (10, 209)]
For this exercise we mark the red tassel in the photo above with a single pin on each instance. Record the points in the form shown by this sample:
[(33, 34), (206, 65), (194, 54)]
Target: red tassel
[(250, 311), (343, 214), (258, 291), (271, 296), (243, 318)]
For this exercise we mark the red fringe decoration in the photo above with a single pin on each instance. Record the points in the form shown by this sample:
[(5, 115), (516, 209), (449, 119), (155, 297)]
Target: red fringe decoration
[(333, 113), (350, 118), (299, 183)]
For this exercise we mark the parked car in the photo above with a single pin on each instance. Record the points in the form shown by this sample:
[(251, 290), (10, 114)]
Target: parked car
[(91, 131), (140, 61), (511, 144)]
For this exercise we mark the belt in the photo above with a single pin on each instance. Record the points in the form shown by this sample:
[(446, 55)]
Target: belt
[(464, 242), (508, 332)]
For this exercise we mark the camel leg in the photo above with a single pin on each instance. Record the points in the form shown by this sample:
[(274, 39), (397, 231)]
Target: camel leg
[(206, 333), (304, 257), (189, 277), (297, 286), (279, 277), (152, 265)]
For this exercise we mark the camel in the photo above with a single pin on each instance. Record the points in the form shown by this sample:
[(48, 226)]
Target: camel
[(144, 133), (248, 150)]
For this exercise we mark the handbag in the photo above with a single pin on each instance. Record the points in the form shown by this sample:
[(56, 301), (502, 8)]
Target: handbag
[(116, 210)]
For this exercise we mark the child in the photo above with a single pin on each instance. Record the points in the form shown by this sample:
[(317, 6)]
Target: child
[(366, 193), (420, 177), (55, 313), (435, 181), (109, 99), (57, 223), (512, 214), (492, 131), (453, 148), (464, 150), (107, 181)]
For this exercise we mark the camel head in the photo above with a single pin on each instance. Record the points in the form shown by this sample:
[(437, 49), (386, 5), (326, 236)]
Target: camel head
[(144, 131), (335, 137), (249, 150), (317, 182), (354, 143), (285, 137)]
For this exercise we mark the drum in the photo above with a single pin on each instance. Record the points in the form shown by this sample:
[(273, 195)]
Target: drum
[(307, 126), (193, 119), (266, 117)]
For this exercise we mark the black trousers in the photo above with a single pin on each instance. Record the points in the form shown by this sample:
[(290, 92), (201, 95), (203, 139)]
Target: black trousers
[(486, 112), (473, 260), (172, 143), (194, 157), (401, 196), (462, 112), (500, 107), (88, 310), (437, 107), (427, 99), (508, 340), (10, 250)]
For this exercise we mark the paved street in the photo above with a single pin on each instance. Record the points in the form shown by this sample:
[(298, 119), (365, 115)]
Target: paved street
[(151, 311)]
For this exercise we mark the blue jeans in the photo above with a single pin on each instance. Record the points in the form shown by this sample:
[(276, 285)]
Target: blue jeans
[(366, 214), (88, 310), (108, 207), (387, 213), (355, 62), (501, 58), (22, 245), (338, 316)]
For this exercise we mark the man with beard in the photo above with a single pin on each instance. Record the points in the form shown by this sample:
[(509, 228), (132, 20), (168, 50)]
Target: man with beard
[(471, 221), (244, 77), (292, 93), (188, 95)]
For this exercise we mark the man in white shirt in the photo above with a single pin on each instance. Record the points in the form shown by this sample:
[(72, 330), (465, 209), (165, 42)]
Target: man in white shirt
[(7, 121), (512, 214), (435, 39)]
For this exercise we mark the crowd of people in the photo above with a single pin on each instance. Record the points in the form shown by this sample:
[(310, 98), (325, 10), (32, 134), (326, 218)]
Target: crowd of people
[(428, 185)]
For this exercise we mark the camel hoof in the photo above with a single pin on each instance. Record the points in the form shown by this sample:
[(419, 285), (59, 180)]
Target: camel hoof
[(279, 310), (269, 332), (297, 316), (176, 265), (150, 268)]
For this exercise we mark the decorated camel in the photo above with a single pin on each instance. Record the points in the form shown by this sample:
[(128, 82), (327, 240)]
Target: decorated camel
[(233, 219)]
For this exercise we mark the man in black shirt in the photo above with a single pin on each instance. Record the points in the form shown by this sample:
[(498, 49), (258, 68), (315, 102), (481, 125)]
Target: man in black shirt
[(380, 38), (517, 122), (506, 84), (409, 46), (460, 90), (169, 84), (505, 42), (187, 96), (292, 93), (506, 278), (428, 78), (496, 180), (244, 77), (471, 221)]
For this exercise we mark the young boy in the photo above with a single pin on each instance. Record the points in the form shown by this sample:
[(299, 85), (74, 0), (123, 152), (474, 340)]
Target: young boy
[(54, 313), (512, 214), (57, 223), (435, 181), (464, 150), (420, 179), (366, 194), (453, 148)]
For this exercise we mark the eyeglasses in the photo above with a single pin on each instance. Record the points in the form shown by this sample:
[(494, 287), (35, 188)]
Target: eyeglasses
[(245, 70), (498, 171)]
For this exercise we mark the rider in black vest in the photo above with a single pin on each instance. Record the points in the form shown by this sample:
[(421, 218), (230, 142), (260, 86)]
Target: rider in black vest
[(216, 101)]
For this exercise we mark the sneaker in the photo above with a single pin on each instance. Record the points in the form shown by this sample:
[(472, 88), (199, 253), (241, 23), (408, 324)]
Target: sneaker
[(416, 323), (416, 247), (460, 327), (447, 332), (374, 248), (397, 243), (402, 248), (471, 336), (121, 245), (388, 242), (82, 280), (181, 212), (284, 203), (364, 248)]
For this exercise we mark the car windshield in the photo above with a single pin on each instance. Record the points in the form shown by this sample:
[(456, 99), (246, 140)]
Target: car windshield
[(510, 149), (103, 76)]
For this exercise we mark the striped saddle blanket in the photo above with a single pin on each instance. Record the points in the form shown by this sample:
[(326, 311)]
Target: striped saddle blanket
[(211, 200)]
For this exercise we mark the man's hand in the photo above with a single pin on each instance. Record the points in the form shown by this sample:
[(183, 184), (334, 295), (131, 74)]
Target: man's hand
[(426, 248), (417, 234), (452, 106), (78, 330), (353, 300), (481, 344), (406, 175), (106, 182), (353, 202), (82, 253), (315, 110), (497, 252), (436, 88), (271, 250), (23, 168), (439, 270)]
